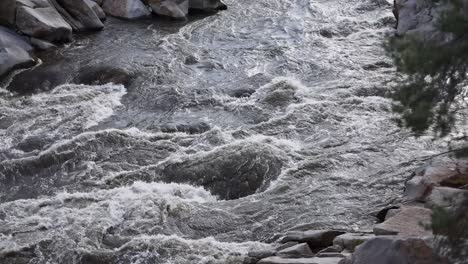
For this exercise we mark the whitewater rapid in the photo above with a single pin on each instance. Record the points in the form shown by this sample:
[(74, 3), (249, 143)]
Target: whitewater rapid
[(235, 128)]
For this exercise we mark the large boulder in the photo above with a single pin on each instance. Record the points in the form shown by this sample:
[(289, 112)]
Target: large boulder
[(440, 171), (350, 241), (207, 5), (43, 23), (79, 14), (315, 238), (129, 9), (392, 250), (419, 18), (446, 197), (8, 9), (14, 51), (170, 8), (410, 221), (97, 9)]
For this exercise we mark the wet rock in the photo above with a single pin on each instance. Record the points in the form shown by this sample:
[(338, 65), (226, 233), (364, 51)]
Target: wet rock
[(42, 78), (170, 8), (14, 51), (381, 215), (315, 238), (43, 23), (242, 92), (391, 250), (8, 9), (326, 32), (98, 257), (36, 142), (279, 260), (99, 75), (332, 255), (6, 122), (79, 14), (300, 250), (207, 5), (446, 197), (278, 94), (130, 9), (195, 128), (391, 213), (231, 172), (409, 221), (41, 44), (350, 241)]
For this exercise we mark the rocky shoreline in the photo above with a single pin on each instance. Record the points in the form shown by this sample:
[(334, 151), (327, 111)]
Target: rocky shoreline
[(27, 26), (400, 234)]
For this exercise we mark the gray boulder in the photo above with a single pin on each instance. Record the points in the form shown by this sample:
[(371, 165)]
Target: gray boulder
[(350, 241), (97, 9), (409, 221), (170, 8), (43, 23), (207, 5), (280, 260), (391, 250), (446, 197), (315, 238), (79, 14), (300, 250), (129, 9), (8, 9), (14, 51)]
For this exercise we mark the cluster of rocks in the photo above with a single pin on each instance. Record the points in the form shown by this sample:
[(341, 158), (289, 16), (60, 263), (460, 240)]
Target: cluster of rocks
[(400, 237), (27, 25)]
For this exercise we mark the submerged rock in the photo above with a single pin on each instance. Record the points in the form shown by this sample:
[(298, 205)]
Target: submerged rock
[(170, 8), (14, 51), (231, 172), (130, 9), (391, 250)]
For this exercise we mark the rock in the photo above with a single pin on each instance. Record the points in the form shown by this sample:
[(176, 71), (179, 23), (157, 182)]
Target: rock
[(391, 250), (102, 74), (41, 44), (262, 254), (381, 215), (300, 250), (43, 23), (419, 18), (8, 9), (279, 260), (391, 213), (170, 8), (446, 197), (207, 5), (441, 171), (97, 9), (130, 9), (286, 245), (332, 255), (232, 171), (315, 238), (350, 241), (408, 222), (14, 51), (79, 14), (190, 128), (332, 249)]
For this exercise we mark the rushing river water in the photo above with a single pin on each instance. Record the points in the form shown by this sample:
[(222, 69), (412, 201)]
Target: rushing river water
[(230, 130)]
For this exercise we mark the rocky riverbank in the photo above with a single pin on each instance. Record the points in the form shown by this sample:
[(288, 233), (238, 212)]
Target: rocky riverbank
[(30, 25), (400, 234)]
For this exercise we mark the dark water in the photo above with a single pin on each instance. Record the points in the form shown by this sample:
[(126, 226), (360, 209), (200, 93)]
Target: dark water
[(225, 131)]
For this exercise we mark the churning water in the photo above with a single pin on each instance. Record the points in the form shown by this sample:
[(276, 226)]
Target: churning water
[(235, 128)]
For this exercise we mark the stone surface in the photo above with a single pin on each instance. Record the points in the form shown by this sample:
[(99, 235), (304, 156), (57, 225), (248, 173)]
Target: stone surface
[(286, 245), (130, 9), (350, 241), (207, 5), (97, 9), (8, 9), (41, 44), (14, 51), (440, 171), (262, 254), (300, 250), (315, 238), (79, 14), (43, 23), (279, 260), (170, 8), (391, 250), (332, 249), (408, 222), (446, 197)]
